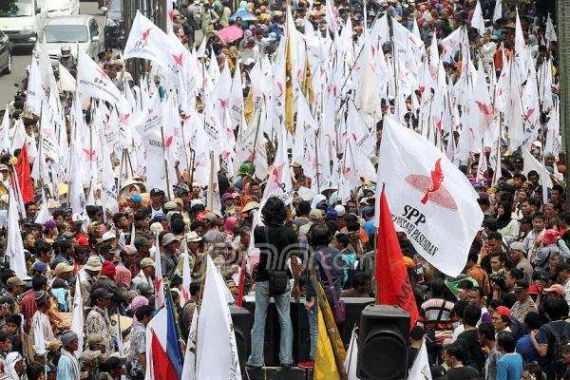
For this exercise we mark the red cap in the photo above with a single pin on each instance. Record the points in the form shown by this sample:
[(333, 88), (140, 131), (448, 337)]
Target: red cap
[(534, 289), (503, 311), (108, 269), (82, 241)]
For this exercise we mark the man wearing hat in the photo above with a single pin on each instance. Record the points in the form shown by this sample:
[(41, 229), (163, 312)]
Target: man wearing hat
[(98, 321), (90, 364), (169, 257), (156, 202), (518, 257), (87, 277), (524, 303), (145, 275), (315, 217), (68, 365), (15, 286), (40, 317)]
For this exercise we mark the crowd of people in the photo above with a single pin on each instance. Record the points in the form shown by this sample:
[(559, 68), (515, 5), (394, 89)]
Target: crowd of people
[(504, 318)]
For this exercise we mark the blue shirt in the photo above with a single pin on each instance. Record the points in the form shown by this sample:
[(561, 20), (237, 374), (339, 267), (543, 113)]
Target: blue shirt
[(510, 367), (526, 349)]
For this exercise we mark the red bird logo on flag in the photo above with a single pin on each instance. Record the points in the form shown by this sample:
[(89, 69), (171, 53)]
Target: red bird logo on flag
[(102, 73), (123, 117), (145, 35), (178, 59), (484, 108), (90, 154), (432, 187), (529, 113), (168, 142)]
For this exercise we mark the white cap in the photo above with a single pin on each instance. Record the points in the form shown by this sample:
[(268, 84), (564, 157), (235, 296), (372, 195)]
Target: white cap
[(340, 210), (108, 236)]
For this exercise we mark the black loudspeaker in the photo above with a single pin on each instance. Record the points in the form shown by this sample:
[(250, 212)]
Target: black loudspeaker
[(354, 307), (301, 332), (383, 348), (242, 321)]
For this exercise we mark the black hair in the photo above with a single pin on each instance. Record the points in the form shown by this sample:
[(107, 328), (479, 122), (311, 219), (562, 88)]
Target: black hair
[(487, 330), (118, 217), (177, 225), (507, 341), (274, 212), (304, 207), (471, 315), (319, 235), (42, 246), (38, 283), (144, 311), (359, 279), (456, 350), (495, 236), (556, 308), (532, 320), (15, 319), (459, 308), (35, 370), (342, 239), (438, 288)]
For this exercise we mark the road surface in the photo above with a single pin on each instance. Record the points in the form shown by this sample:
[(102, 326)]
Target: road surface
[(22, 58)]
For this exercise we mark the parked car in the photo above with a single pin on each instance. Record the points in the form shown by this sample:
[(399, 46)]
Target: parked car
[(61, 7), (114, 28), (5, 54), (21, 20), (71, 30)]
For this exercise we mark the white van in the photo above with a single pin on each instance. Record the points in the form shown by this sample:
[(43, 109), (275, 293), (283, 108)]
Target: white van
[(21, 20)]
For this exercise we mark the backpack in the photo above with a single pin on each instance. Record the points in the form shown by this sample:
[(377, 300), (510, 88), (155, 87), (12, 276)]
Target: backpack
[(555, 357)]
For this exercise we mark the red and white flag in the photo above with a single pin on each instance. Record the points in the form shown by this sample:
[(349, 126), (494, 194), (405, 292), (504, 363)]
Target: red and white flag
[(431, 200)]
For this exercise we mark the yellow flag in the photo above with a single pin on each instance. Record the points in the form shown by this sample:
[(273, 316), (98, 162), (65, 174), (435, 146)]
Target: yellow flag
[(308, 82), (325, 364), (289, 96), (248, 107)]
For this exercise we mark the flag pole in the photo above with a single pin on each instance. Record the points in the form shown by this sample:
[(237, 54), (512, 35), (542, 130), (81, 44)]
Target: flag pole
[(165, 162)]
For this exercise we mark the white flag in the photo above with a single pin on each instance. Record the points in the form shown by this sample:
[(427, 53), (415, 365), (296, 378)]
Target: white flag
[(77, 318), (421, 368), (159, 297), (477, 21), (14, 244), (189, 368), (217, 356), (498, 13), (531, 163), (39, 342), (550, 32), (431, 200), (352, 357), (93, 81), (186, 277)]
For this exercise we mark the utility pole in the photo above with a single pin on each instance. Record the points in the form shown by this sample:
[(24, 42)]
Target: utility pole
[(562, 12)]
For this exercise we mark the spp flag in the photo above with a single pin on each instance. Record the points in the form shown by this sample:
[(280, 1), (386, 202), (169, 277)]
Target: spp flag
[(25, 175), (393, 283), (431, 200)]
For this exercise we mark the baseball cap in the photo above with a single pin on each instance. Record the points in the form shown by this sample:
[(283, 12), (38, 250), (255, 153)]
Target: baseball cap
[(14, 281), (518, 246), (147, 261), (109, 235), (156, 191), (93, 263), (168, 238), (315, 215), (504, 311), (62, 268)]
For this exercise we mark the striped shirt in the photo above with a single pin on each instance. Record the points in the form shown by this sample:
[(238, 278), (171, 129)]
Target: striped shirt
[(431, 309)]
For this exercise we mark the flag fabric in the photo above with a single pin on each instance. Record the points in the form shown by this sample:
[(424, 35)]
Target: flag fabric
[(163, 357), (393, 283), (159, 298), (498, 12), (39, 342), (550, 32), (351, 356), (186, 278), (477, 21), (531, 163), (25, 175), (216, 353), (77, 318), (431, 200), (14, 243), (189, 368), (421, 369), (325, 365)]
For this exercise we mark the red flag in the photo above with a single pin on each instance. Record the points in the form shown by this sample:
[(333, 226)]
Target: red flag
[(241, 285), (24, 175), (392, 281)]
